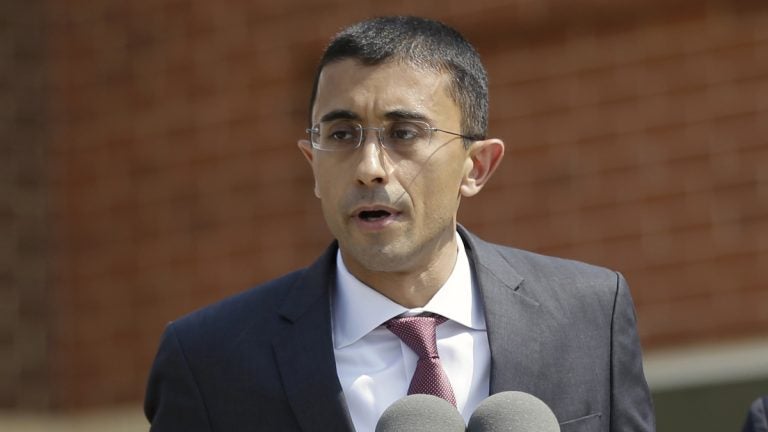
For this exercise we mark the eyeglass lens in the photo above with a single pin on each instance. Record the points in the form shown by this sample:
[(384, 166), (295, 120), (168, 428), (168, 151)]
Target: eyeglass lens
[(398, 135)]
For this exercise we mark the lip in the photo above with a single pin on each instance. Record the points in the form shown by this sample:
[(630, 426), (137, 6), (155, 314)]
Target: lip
[(367, 217)]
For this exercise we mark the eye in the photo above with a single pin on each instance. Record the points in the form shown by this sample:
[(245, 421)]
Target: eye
[(341, 132), (406, 131)]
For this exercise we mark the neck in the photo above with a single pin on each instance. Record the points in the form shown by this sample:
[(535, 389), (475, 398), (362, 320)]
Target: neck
[(412, 288)]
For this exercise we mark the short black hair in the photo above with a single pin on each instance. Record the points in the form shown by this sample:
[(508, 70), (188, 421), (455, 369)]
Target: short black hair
[(423, 43)]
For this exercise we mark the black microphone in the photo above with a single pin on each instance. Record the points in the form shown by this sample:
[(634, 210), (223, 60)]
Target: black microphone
[(421, 413), (513, 411)]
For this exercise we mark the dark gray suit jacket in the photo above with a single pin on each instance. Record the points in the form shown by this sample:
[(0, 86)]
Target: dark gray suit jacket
[(263, 360), (757, 417)]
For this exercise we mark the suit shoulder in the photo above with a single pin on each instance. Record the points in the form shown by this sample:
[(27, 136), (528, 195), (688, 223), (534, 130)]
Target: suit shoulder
[(535, 265), (570, 291), (550, 279), (229, 317)]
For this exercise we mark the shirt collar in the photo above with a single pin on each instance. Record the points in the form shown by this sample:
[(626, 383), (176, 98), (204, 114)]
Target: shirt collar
[(358, 309)]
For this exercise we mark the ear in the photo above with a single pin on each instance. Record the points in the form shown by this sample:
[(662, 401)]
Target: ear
[(306, 149), (484, 157)]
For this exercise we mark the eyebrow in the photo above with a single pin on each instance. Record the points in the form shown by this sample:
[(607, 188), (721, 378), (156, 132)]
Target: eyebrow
[(398, 114), (339, 115), (402, 114)]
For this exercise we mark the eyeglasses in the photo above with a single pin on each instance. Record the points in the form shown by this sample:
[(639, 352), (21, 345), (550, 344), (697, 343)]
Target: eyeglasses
[(400, 136)]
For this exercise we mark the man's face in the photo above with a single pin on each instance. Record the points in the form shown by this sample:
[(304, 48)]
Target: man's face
[(390, 212)]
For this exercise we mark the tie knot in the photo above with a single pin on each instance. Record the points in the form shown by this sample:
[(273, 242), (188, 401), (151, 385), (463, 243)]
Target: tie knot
[(418, 332)]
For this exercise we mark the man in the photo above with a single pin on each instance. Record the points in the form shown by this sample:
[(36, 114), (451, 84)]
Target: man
[(396, 139), (757, 417)]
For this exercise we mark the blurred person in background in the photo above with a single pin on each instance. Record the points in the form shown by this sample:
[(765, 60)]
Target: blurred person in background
[(757, 417)]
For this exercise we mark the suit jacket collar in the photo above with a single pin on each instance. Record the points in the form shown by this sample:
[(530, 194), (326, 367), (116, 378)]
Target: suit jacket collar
[(304, 351), (513, 316)]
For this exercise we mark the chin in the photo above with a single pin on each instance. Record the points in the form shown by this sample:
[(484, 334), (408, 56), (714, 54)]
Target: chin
[(380, 259)]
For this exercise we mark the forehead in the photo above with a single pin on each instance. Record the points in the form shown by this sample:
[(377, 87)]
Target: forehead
[(372, 92)]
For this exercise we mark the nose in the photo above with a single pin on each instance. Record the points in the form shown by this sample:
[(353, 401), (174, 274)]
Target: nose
[(372, 166)]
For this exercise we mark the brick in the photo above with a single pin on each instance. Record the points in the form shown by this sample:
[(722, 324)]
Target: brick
[(635, 140)]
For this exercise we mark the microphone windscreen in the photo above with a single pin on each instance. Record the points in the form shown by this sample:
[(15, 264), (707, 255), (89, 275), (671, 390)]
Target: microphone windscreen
[(513, 411), (421, 413)]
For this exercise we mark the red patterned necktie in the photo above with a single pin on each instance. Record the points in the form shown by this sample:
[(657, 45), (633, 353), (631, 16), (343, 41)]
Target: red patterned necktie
[(418, 332)]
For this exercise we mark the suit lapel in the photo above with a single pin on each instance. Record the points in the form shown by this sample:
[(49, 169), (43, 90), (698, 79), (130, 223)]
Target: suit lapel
[(513, 318), (304, 351)]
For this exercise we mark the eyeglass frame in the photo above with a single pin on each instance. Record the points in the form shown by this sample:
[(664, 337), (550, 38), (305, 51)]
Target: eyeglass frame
[(315, 129)]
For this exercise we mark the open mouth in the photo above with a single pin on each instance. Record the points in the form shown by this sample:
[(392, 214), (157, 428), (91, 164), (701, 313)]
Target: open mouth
[(373, 215)]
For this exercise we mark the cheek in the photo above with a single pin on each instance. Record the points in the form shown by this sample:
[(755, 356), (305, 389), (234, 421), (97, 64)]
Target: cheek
[(433, 188), (327, 190), (327, 179)]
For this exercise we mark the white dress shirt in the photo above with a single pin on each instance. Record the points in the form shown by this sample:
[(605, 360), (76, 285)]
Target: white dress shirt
[(375, 367)]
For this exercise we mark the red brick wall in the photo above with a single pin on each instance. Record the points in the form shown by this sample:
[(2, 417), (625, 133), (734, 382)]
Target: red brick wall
[(636, 136), (24, 290)]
